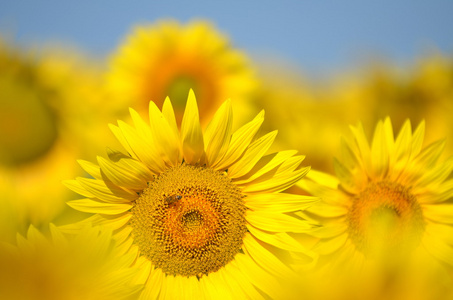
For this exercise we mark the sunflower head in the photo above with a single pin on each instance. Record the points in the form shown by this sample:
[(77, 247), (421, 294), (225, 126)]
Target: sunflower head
[(203, 210), (168, 59), (388, 199), (24, 111)]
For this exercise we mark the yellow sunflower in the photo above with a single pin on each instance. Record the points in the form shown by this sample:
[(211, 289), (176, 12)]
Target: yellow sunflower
[(83, 266), (40, 109), (389, 206), (311, 107), (205, 211), (168, 59)]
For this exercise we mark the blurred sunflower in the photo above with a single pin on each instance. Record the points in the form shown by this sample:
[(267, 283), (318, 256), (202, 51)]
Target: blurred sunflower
[(422, 91), (316, 114), (168, 59), (389, 204), (37, 134), (204, 210), (83, 266)]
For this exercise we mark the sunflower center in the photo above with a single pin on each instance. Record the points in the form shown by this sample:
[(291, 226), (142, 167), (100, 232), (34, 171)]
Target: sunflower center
[(385, 218), (28, 128), (178, 89), (190, 221)]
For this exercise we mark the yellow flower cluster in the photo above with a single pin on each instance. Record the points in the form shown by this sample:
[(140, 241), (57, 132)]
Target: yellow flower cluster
[(198, 198)]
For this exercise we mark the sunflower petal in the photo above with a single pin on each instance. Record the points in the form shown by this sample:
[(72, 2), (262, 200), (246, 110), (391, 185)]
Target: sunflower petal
[(417, 139), (259, 277), (191, 135), (277, 222), (266, 259), (153, 286), (279, 239), (278, 183), (121, 176), (279, 202), (169, 114), (240, 140), (106, 191), (218, 133), (164, 136), (438, 249), (92, 206), (233, 273), (328, 246), (265, 165), (90, 168), (75, 186), (379, 152), (143, 150), (252, 155), (442, 213)]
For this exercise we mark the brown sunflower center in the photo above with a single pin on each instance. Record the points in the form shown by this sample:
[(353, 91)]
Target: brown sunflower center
[(385, 218), (190, 221), (28, 127)]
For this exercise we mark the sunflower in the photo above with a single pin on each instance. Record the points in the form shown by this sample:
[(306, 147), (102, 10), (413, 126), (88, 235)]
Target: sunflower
[(40, 117), (205, 211), (388, 207), (311, 107), (167, 59), (82, 266)]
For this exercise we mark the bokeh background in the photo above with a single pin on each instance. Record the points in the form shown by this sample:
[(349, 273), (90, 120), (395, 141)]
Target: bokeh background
[(320, 37), (68, 68)]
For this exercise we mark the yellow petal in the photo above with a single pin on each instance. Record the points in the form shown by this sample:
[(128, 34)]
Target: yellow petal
[(165, 138), (402, 150), (130, 163), (379, 152), (323, 178), (123, 141), (265, 165), (441, 231), (280, 182), (107, 191), (266, 259), (438, 195), (191, 135), (240, 140), (233, 273), (252, 155), (328, 246), (122, 176), (438, 249), (433, 178), (144, 149), (278, 239), (218, 133), (91, 168), (75, 186), (330, 230), (257, 276), (91, 206), (279, 202), (417, 138), (347, 178), (169, 114), (122, 234), (154, 285), (349, 157), (363, 146), (277, 222), (440, 213), (327, 210)]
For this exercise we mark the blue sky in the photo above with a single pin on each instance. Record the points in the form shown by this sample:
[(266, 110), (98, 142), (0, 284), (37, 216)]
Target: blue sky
[(318, 36)]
